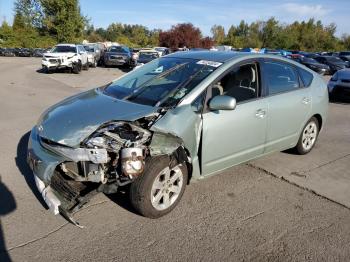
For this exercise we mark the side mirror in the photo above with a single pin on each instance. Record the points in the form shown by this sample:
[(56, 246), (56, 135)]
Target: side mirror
[(222, 103)]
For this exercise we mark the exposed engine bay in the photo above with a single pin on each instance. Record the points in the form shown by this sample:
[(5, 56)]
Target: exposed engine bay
[(111, 157)]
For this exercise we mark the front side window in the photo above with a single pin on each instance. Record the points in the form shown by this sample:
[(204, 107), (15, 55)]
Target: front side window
[(163, 82), (241, 83), (280, 77)]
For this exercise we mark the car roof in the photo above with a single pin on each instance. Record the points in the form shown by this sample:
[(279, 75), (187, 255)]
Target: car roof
[(73, 45), (148, 51), (216, 56), (344, 73)]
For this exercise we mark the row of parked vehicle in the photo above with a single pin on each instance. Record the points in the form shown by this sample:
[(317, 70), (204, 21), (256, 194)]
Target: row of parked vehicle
[(323, 63), (23, 52), (78, 56)]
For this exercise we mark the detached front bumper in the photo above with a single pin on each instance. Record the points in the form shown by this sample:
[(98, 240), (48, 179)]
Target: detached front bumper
[(43, 163)]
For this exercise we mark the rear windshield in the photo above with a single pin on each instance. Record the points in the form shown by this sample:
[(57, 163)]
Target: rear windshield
[(64, 49), (162, 82)]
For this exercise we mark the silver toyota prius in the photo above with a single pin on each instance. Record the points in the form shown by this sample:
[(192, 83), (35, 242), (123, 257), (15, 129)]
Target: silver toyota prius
[(179, 118)]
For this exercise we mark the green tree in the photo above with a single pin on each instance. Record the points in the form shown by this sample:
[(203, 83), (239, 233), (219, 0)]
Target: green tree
[(30, 12), (7, 38), (218, 32), (63, 20), (345, 41)]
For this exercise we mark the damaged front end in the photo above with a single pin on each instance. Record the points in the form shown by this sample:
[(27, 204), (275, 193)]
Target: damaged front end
[(111, 157)]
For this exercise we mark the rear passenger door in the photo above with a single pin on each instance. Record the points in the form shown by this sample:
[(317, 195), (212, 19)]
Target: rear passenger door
[(289, 104)]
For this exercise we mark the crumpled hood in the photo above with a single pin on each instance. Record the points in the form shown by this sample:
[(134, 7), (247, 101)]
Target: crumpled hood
[(75, 118)]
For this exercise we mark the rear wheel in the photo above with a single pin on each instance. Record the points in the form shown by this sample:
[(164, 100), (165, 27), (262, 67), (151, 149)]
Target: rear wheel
[(308, 137), (159, 189), (94, 63)]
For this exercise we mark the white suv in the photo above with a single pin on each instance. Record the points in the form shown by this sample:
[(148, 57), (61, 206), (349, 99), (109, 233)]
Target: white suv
[(70, 56)]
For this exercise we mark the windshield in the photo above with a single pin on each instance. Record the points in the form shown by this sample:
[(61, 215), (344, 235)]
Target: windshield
[(148, 55), (162, 82), (309, 60), (64, 49), (117, 49), (89, 48), (334, 59)]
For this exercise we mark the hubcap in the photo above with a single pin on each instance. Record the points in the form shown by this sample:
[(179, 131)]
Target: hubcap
[(309, 135), (166, 188)]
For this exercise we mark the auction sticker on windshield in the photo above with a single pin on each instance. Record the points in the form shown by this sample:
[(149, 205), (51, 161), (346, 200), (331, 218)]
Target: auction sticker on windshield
[(209, 63)]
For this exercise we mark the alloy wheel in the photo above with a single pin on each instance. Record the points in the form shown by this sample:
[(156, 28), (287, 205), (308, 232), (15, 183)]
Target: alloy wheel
[(309, 135), (166, 188)]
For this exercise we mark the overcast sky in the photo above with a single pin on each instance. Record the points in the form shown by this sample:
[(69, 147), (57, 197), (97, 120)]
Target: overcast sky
[(204, 13)]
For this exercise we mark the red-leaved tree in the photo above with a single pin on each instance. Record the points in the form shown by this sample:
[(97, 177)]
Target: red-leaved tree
[(184, 35)]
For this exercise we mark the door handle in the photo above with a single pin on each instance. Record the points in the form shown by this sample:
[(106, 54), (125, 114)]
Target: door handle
[(306, 100), (260, 113)]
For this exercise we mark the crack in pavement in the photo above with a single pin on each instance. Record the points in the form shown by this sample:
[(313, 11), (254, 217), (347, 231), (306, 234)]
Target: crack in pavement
[(301, 173), (50, 232), (36, 239), (298, 185)]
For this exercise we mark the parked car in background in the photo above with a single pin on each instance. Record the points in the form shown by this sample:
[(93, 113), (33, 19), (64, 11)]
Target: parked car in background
[(94, 54), (345, 56), (9, 52), (170, 121), (63, 56), (334, 63), (147, 55), (339, 84), (25, 52), (135, 53), (162, 50), (38, 52), (119, 56), (314, 65)]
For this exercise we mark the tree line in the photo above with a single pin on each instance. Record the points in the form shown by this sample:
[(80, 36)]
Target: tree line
[(43, 23)]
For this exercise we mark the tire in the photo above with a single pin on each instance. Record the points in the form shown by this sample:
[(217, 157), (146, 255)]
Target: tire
[(46, 70), (86, 66), (94, 64), (308, 137), (149, 197), (76, 68)]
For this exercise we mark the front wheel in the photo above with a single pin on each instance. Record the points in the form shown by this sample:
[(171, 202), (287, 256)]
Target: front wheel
[(76, 67), (308, 137), (159, 189)]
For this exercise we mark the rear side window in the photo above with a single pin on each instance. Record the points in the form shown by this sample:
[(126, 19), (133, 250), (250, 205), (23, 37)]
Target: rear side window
[(306, 77), (280, 77)]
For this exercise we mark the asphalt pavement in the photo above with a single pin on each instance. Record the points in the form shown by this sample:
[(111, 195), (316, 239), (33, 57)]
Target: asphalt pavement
[(247, 213)]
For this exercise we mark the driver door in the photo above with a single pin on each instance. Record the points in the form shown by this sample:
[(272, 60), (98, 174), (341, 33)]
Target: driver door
[(234, 136)]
